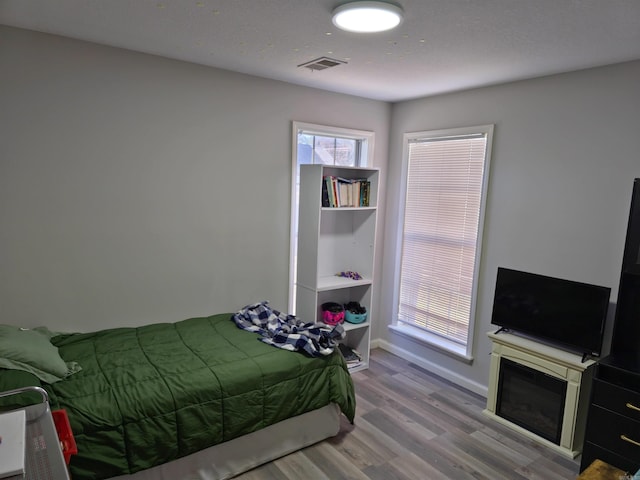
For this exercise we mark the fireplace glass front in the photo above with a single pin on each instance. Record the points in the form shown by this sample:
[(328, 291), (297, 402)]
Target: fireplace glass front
[(531, 399)]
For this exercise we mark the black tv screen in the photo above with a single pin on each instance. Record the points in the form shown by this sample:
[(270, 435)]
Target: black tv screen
[(566, 313)]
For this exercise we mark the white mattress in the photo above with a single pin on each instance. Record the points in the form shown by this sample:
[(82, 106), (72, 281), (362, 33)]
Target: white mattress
[(244, 453)]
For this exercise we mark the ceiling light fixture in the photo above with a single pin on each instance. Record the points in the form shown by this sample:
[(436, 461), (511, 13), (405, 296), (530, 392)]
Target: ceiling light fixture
[(367, 17)]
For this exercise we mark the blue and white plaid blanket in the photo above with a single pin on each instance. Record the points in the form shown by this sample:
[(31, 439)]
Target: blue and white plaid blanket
[(287, 332)]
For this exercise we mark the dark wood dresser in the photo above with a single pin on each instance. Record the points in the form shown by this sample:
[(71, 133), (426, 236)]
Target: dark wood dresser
[(613, 422)]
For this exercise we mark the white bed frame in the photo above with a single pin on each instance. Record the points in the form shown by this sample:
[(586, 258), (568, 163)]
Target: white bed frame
[(239, 455)]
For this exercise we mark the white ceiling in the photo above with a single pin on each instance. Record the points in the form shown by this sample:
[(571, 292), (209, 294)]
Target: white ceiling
[(442, 45)]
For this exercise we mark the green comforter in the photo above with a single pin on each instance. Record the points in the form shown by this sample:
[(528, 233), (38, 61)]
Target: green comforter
[(149, 395)]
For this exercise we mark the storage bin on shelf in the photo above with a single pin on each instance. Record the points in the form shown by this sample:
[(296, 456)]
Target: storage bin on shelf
[(355, 313), (355, 317), (332, 313)]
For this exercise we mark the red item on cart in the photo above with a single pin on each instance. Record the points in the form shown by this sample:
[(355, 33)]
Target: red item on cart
[(65, 435)]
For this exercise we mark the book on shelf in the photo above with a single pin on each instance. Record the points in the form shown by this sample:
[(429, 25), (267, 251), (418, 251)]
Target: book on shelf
[(12, 443), (325, 194), (364, 193), (345, 192), (351, 356)]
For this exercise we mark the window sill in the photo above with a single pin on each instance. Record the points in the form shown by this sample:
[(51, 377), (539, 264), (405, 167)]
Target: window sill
[(434, 342)]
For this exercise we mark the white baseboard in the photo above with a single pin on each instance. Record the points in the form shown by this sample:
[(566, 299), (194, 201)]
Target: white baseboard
[(434, 368)]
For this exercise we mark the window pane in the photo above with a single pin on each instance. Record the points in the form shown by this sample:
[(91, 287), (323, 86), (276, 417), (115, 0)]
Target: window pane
[(324, 151), (441, 220), (345, 152), (305, 149)]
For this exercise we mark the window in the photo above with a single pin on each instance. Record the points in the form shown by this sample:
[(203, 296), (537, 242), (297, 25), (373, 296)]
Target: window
[(327, 146), (446, 176)]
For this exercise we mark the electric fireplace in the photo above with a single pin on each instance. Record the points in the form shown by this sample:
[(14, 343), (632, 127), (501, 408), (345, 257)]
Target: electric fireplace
[(540, 391), (531, 399)]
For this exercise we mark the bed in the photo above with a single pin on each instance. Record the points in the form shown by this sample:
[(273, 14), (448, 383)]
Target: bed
[(195, 399)]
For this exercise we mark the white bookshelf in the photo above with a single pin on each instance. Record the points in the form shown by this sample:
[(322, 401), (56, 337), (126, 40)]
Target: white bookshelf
[(332, 240)]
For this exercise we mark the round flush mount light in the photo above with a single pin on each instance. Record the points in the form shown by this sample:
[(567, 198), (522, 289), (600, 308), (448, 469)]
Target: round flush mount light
[(367, 17)]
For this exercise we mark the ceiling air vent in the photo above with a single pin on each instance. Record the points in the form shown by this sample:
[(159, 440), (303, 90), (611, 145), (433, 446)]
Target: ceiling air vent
[(322, 63)]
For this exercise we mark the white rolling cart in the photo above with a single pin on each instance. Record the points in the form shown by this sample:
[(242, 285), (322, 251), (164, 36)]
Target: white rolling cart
[(44, 459)]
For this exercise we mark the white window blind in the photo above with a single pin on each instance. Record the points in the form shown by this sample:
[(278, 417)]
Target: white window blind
[(445, 178)]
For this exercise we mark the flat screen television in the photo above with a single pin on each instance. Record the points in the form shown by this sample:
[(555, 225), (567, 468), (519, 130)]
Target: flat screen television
[(569, 314)]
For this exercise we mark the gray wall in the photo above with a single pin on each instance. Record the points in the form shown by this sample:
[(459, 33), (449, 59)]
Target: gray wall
[(136, 189), (565, 153)]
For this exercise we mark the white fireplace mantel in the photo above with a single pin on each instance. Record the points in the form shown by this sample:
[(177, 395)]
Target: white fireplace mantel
[(556, 363)]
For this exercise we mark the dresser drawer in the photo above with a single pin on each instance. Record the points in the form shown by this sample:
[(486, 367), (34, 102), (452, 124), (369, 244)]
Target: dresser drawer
[(617, 399), (615, 432)]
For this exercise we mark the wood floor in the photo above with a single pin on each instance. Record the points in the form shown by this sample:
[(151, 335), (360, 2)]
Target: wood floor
[(413, 425)]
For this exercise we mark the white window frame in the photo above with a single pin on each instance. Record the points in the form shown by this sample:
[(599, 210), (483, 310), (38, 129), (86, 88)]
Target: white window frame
[(441, 344), (365, 160)]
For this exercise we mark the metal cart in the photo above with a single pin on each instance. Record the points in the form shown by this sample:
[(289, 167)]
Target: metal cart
[(43, 454)]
